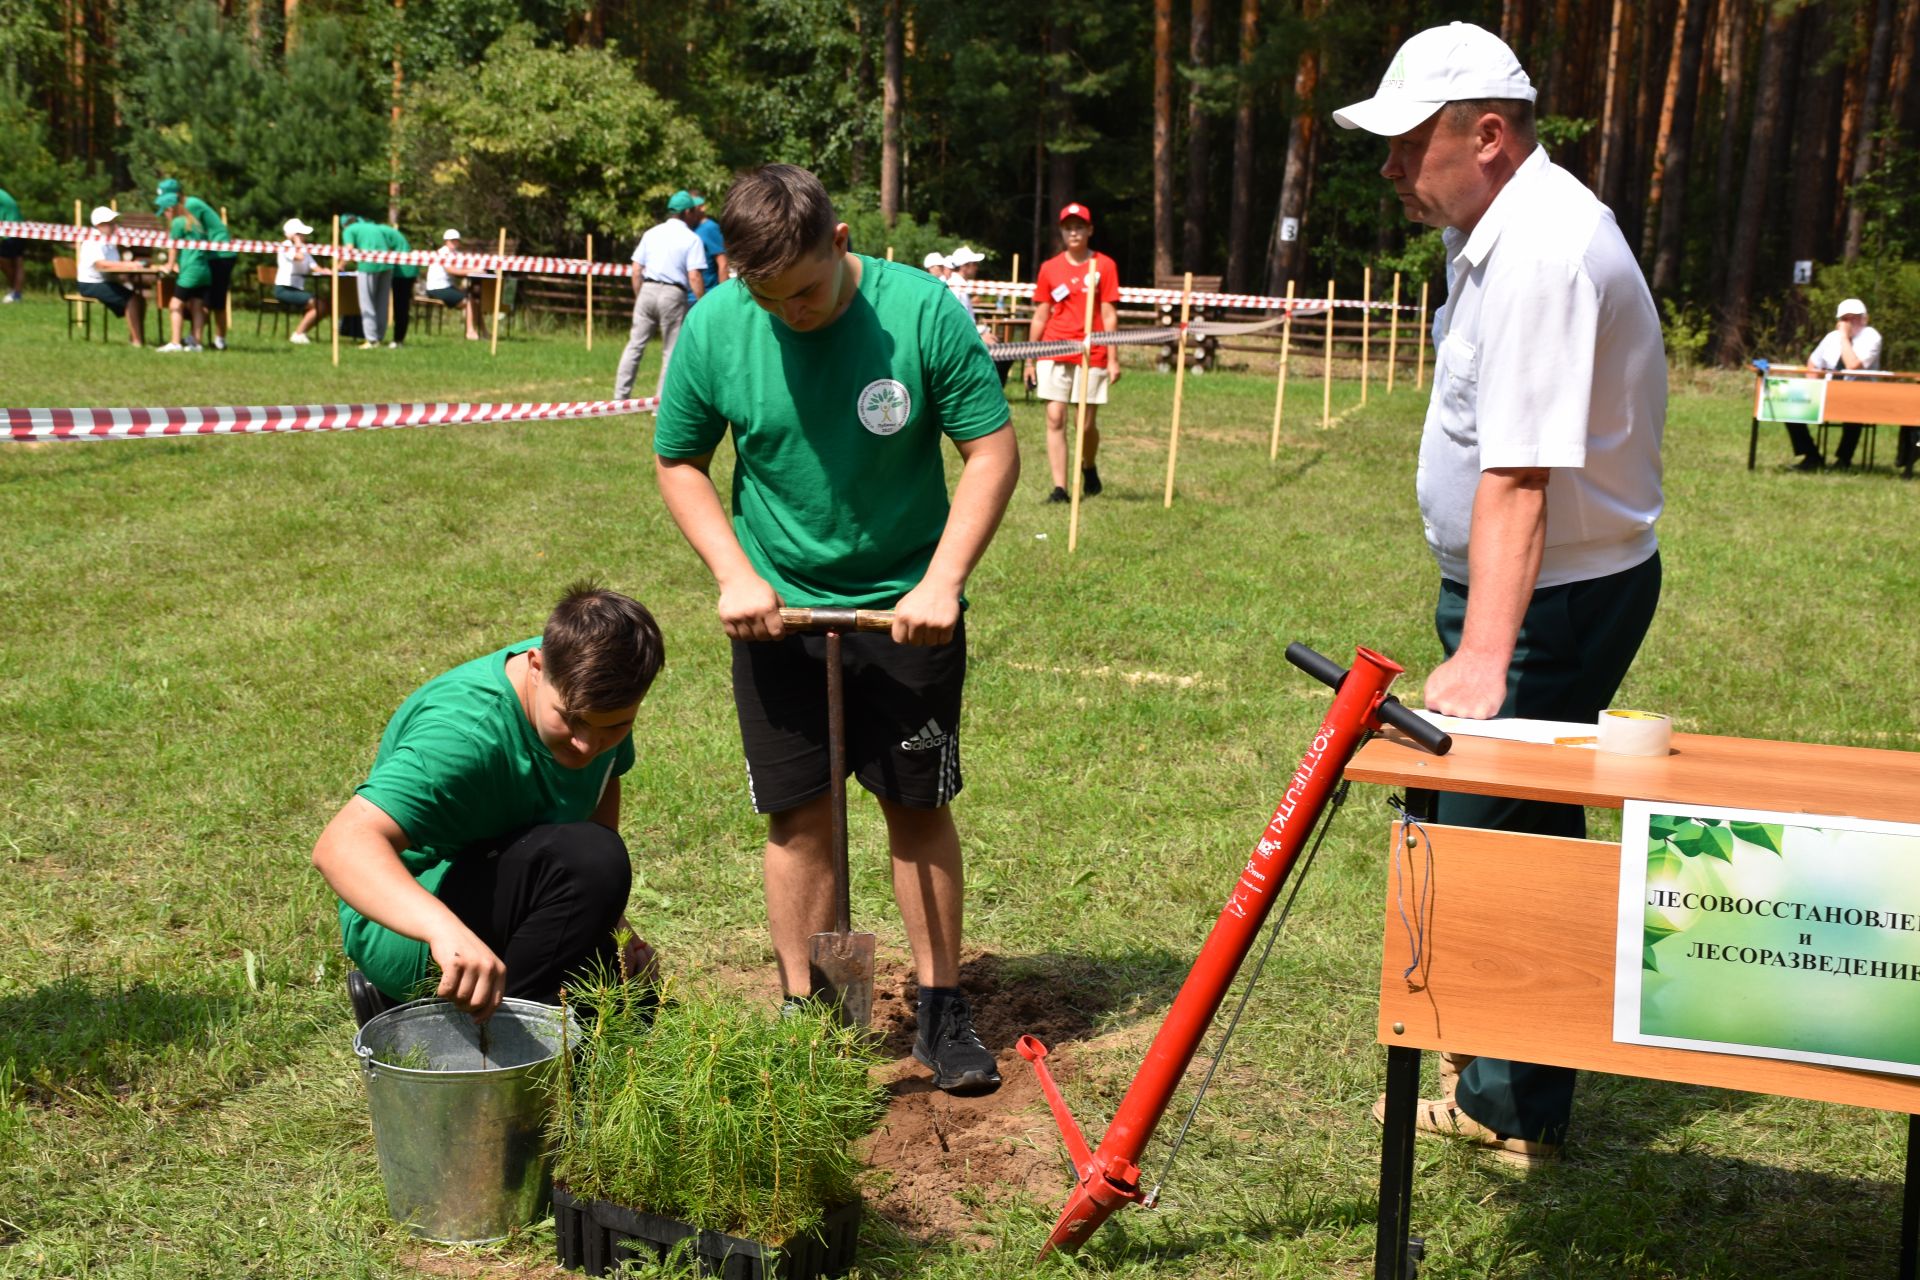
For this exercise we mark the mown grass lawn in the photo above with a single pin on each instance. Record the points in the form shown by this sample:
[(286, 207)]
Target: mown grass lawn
[(200, 641)]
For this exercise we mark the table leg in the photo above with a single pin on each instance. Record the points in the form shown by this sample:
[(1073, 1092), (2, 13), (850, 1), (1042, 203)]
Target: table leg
[(1394, 1255), (1753, 444), (1910, 1205)]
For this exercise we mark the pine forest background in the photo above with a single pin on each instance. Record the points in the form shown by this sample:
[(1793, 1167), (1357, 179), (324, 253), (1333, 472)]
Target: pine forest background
[(1732, 138)]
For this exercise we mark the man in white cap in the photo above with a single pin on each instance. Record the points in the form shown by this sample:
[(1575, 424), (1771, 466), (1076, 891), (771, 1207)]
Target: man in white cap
[(97, 259), (935, 265), (1539, 479), (962, 264), (1852, 343), (293, 263), (442, 289)]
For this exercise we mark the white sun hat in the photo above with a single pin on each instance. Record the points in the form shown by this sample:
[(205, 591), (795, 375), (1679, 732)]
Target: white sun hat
[(295, 227), (963, 255), (1851, 307), (102, 215), (1455, 63), (934, 259)]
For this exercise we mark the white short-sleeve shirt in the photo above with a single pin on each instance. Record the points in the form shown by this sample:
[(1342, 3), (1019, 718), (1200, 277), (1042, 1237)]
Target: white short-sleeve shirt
[(1548, 354), (1866, 346), (291, 267), (670, 253), (87, 259), (438, 277)]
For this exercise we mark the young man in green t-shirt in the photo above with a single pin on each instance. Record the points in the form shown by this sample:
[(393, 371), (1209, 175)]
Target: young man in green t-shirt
[(485, 842), (839, 375), (374, 280)]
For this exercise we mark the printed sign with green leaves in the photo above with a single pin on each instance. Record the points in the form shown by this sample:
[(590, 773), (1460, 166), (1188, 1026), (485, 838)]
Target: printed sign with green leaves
[(1776, 935), (1792, 400)]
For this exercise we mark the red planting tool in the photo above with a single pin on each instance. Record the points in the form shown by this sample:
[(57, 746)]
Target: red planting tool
[(1109, 1177)]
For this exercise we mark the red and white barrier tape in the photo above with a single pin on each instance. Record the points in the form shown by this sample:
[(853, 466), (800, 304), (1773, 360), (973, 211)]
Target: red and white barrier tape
[(147, 424), (466, 263)]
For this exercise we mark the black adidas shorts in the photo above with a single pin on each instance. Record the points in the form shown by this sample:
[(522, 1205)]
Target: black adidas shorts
[(903, 718)]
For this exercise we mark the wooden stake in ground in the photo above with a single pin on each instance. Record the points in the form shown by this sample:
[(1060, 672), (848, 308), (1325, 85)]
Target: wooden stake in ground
[(228, 320), (889, 253), (1179, 386), (1280, 391), (499, 292), (590, 291), (1393, 332), (1016, 268), (77, 221), (1326, 367), (1420, 369), (1092, 282), (1366, 329), (334, 284)]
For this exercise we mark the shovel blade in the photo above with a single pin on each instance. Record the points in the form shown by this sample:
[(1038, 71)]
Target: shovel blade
[(840, 968)]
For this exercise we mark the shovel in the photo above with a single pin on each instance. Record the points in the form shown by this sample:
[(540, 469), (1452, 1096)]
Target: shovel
[(840, 964)]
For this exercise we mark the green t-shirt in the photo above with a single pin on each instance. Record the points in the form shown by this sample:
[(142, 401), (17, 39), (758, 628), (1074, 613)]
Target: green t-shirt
[(397, 241), (213, 226), (9, 209), (192, 262), (367, 235), (839, 492), (460, 765)]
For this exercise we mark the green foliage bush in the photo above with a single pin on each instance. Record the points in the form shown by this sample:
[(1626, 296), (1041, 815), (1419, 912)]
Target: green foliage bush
[(549, 143), (717, 1114), (1891, 290), (42, 185)]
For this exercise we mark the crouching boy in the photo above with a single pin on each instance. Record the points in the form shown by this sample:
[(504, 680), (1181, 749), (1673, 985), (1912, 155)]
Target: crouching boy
[(485, 841)]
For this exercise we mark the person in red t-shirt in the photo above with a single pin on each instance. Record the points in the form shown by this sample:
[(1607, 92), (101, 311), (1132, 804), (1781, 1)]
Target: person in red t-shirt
[(1059, 313)]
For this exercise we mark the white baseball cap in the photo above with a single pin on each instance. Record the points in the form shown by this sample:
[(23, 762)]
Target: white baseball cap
[(963, 255), (102, 215), (1851, 307), (934, 259), (1455, 63), (449, 234), (295, 227)]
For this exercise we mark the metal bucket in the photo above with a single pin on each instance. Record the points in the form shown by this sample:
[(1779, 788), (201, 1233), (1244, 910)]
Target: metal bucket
[(461, 1133)]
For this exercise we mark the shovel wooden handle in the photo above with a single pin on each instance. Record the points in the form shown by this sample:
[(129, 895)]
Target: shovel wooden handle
[(837, 619)]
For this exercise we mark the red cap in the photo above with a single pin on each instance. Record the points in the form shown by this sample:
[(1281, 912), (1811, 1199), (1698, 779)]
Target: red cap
[(1077, 210)]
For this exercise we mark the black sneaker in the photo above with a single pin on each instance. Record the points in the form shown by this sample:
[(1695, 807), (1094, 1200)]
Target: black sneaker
[(368, 1001), (1089, 481), (948, 1047), (1810, 462), (1058, 495)]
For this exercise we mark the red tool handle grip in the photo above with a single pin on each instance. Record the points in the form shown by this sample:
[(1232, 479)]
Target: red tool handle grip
[(1391, 710)]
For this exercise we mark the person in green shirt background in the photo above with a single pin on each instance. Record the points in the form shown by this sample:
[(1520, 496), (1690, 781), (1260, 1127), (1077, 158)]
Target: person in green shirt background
[(373, 279), (206, 224), (484, 843), (13, 252), (192, 278), (404, 274)]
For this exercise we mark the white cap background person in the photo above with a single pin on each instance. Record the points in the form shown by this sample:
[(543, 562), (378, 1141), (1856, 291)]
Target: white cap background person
[(1539, 473), (936, 262), (1852, 343)]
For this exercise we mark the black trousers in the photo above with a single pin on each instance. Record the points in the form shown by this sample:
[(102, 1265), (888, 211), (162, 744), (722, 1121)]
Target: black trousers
[(1803, 445), (546, 900), (402, 309)]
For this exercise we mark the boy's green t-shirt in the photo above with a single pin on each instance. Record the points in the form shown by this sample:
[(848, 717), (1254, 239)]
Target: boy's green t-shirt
[(192, 262), (460, 766), (397, 241), (839, 490), (371, 236), (9, 210)]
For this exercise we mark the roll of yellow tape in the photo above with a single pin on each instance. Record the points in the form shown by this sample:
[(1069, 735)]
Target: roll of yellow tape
[(1635, 733)]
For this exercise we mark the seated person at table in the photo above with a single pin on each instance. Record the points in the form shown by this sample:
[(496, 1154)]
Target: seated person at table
[(95, 259), (13, 260), (293, 265), (442, 289), (1851, 344), (481, 858)]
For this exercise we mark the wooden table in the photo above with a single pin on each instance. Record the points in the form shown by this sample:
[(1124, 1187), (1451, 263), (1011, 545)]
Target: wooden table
[(1517, 923), (1866, 397)]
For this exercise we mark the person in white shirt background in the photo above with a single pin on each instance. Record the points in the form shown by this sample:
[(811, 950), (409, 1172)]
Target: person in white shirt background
[(443, 289), (936, 265), (293, 263), (667, 267), (1852, 343), (95, 259)]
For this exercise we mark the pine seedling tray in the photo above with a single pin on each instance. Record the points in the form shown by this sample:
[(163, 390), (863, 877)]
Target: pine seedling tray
[(596, 1237)]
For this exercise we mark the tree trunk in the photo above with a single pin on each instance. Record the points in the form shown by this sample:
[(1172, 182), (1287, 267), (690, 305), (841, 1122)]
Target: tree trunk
[(1199, 58), (1658, 32), (1809, 225), (1557, 100), (1613, 114), (1061, 177), (1903, 89), (1744, 248), (1286, 249), (1667, 194), (1733, 60), (393, 122), (289, 29), (860, 149), (1870, 99), (1162, 138), (890, 119), (1240, 219)]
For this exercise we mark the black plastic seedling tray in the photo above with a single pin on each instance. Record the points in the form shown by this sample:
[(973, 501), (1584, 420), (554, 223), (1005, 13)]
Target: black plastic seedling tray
[(596, 1237)]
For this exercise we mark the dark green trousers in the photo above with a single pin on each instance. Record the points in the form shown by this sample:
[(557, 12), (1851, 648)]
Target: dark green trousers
[(1576, 643)]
